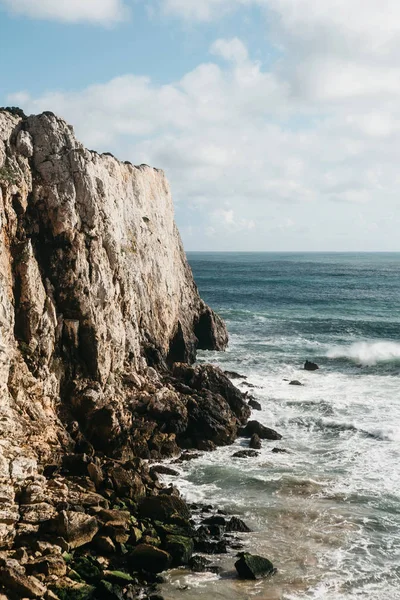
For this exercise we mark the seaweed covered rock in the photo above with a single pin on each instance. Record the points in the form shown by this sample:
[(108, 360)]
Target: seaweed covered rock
[(180, 548), (250, 566), (163, 508), (149, 559)]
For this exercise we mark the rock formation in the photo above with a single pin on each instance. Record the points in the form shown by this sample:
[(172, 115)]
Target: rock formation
[(100, 320)]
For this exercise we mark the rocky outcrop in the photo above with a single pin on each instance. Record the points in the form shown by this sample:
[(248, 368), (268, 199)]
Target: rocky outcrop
[(100, 320)]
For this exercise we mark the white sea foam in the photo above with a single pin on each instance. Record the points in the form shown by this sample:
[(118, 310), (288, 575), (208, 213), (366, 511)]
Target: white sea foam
[(367, 353)]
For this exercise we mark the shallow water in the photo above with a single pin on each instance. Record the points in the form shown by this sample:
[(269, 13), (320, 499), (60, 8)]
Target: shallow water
[(328, 513)]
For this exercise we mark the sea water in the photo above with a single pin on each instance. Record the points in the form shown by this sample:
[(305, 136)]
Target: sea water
[(327, 512)]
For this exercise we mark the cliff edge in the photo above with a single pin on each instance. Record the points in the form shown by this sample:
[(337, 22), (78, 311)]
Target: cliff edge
[(100, 320)]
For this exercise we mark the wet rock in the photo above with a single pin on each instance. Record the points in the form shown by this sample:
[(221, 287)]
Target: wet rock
[(163, 508), (254, 404), (251, 566), (199, 564), (264, 433), (215, 520), (149, 559), (163, 470), (186, 456), (207, 377), (208, 546), (234, 375), (255, 442), (210, 418), (245, 454), (295, 382), (237, 525), (180, 548), (184, 528), (310, 366), (280, 451)]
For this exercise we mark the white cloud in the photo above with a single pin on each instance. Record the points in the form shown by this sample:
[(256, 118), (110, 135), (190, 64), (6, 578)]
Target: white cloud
[(284, 158), (233, 50), (104, 12), (201, 10)]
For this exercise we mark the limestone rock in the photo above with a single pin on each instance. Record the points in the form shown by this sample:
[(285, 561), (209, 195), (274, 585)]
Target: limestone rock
[(20, 584), (76, 528), (97, 305)]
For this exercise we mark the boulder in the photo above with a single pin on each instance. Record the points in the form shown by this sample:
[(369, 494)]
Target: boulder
[(295, 382), (186, 456), (180, 548), (237, 525), (67, 589), (264, 433), (163, 508), (234, 375), (251, 566), (163, 470), (76, 528), (199, 564), (48, 565), (208, 377), (149, 559), (215, 520), (184, 528), (245, 454), (254, 404), (280, 451), (210, 418), (255, 442), (310, 366), (104, 545), (127, 482), (88, 568), (19, 584)]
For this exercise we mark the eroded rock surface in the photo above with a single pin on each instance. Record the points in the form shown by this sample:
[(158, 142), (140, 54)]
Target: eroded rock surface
[(100, 320)]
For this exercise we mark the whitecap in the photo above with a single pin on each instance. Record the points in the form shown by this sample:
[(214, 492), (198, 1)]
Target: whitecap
[(367, 353)]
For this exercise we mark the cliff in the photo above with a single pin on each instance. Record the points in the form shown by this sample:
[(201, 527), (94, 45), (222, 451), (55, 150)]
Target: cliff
[(100, 320)]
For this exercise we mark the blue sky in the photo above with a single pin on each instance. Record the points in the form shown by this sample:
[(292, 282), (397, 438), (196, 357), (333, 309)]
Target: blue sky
[(277, 122)]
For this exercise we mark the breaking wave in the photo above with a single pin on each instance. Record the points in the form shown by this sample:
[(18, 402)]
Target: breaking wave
[(367, 353)]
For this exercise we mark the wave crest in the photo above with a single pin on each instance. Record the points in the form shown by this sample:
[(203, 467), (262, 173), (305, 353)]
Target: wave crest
[(367, 354)]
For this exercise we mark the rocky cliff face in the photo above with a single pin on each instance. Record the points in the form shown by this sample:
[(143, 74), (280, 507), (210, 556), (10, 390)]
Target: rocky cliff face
[(100, 320)]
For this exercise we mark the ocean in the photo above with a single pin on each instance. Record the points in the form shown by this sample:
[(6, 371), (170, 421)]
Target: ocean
[(327, 512)]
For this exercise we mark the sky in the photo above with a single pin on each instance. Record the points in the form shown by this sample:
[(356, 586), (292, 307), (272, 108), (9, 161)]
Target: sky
[(277, 122)]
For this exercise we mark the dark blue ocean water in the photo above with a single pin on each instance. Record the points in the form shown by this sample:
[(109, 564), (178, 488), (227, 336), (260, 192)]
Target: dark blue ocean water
[(328, 512)]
